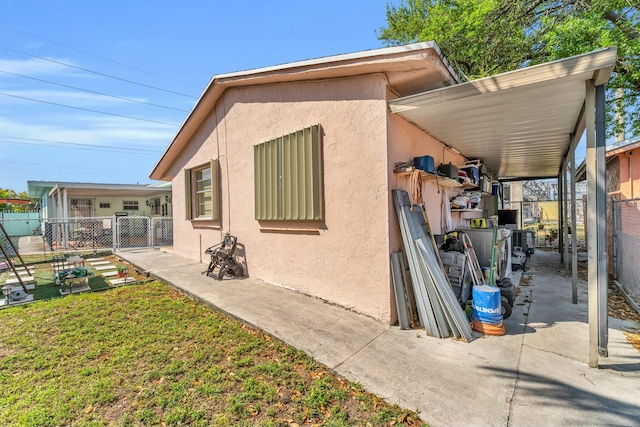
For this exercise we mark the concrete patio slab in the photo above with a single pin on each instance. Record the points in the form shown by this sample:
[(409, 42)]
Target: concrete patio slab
[(536, 374)]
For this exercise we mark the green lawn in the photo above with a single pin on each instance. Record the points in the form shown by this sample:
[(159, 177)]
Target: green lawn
[(147, 355)]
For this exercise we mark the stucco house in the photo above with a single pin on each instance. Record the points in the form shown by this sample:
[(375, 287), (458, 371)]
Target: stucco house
[(64, 200), (623, 213), (78, 214), (297, 160)]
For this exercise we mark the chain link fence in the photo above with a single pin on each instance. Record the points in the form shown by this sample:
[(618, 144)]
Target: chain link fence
[(42, 236), (161, 231), (543, 216), (626, 245)]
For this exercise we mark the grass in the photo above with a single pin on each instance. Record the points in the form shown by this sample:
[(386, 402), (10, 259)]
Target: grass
[(147, 355)]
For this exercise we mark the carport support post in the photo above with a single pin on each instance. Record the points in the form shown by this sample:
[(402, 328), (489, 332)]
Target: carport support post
[(565, 217), (560, 216), (603, 265), (597, 288), (592, 237), (565, 209), (574, 243)]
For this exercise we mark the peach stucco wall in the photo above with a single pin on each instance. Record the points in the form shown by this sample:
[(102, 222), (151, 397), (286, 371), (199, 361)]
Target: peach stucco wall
[(629, 175), (406, 141), (345, 258)]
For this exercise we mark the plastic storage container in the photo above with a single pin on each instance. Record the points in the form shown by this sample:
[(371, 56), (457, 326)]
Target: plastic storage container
[(424, 163), (473, 173), (485, 184), (449, 170), (482, 166)]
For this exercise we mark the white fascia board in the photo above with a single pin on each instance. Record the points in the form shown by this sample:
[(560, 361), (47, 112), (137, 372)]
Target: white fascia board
[(600, 62)]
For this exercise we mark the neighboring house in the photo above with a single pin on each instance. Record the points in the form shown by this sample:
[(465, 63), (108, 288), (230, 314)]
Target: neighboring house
[(623, 195), (297, 160), (623, 170), (64, 200)]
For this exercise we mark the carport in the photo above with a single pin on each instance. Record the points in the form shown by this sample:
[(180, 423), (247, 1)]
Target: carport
[(526, 125)]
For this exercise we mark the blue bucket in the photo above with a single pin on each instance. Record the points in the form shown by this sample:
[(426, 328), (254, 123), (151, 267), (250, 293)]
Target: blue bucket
[(487, 304)]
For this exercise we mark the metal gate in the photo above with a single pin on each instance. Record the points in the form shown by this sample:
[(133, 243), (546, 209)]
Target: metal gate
[(143, 232), (161, 231), (132, 232)]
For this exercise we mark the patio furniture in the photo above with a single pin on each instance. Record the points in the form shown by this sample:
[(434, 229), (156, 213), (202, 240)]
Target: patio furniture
[(222, 258)]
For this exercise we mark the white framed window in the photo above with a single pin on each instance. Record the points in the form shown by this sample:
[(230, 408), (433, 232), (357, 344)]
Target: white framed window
[(105, 205), (129, 205), (202, 192)]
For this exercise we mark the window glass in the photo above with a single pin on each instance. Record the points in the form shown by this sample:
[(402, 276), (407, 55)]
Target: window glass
[(204, 205)]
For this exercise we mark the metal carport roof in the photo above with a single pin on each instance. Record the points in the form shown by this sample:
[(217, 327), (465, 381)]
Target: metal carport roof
[(518, 122), (525, 124)]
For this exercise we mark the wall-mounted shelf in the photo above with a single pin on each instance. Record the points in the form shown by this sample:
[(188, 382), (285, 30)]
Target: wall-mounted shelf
[(442, 181), (466, 210), (469, 186)]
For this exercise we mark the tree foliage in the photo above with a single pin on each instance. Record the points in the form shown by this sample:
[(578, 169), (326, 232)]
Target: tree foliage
[(11, 194), (487, 37)]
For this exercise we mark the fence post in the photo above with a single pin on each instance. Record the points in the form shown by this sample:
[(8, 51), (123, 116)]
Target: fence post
[(114, 227), (149, 231)]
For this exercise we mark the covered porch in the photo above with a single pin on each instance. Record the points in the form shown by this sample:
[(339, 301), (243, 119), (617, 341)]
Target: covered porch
[(526, 125)]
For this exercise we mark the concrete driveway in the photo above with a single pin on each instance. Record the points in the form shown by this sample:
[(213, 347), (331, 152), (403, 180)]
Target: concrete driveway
[(535, 375)]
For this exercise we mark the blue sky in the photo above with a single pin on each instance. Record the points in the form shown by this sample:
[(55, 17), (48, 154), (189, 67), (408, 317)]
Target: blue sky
[(180, 45)]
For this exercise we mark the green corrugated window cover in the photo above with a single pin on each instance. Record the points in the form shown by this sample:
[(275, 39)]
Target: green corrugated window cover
[(288, 177)]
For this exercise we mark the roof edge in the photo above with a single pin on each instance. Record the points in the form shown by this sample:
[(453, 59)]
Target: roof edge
[(606, 58), (220, 82)]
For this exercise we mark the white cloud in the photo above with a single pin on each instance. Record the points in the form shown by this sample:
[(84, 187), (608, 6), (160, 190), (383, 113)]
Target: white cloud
[(73, 98), (111, 131), (35, 66)]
